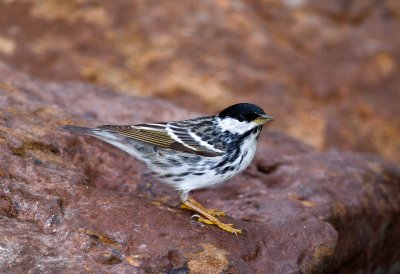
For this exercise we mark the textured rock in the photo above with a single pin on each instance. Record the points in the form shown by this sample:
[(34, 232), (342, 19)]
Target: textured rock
[(329, 70), (71, 203)]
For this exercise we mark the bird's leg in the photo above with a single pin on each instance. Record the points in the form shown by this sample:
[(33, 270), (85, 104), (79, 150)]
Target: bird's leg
[(184, 196), (208, 217), (213, 212)]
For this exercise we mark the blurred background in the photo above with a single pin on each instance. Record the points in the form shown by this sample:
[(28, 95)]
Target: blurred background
[(328, 71)]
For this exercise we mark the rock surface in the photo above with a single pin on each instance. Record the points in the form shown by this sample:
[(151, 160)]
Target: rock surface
[(75, 204), (327, 70)]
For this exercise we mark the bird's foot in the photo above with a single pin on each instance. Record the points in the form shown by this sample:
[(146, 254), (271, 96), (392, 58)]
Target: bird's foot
[(226, 227), (208, 216), (215, 212)]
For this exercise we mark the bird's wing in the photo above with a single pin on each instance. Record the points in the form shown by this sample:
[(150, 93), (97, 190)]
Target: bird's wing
[(166, 135)]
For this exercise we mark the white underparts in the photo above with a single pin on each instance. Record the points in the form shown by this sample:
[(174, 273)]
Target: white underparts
[(210, 177)]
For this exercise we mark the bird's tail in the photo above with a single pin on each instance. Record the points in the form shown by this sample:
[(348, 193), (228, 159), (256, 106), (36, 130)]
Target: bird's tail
[(82, 130)]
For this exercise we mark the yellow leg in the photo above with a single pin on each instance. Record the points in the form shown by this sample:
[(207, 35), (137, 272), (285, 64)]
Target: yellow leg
[(213, 212), (209, 216)]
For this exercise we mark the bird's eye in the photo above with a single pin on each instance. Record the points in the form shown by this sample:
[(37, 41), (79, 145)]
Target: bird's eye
[(241, 118)]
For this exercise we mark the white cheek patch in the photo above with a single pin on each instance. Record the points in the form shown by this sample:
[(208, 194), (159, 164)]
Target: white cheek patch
[(235, 126)]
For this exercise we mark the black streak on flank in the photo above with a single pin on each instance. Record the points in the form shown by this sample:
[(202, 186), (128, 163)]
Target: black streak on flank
[(198, 173), (174, 162), (183, 174), (243, 155), (191, 160), (168, 175)]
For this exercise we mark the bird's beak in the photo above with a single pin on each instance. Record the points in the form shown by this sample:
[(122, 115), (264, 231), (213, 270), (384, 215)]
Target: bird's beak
[(262, 119)]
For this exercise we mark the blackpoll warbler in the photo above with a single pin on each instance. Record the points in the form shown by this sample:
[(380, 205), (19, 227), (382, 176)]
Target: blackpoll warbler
[(192, 154)]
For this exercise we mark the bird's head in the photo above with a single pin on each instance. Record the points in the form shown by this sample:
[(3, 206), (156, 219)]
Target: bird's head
[(241, 118)]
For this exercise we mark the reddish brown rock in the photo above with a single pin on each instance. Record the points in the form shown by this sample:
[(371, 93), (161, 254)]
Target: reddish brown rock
[(327, 70), (75, 204)]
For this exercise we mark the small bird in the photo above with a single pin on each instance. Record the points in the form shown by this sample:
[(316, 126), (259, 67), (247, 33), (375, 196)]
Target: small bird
[(191, 154)]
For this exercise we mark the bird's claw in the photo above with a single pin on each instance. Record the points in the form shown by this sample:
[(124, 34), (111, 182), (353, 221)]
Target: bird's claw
[(196, 216)]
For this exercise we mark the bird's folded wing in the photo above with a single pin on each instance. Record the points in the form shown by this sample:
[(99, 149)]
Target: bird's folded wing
[(163, 136)]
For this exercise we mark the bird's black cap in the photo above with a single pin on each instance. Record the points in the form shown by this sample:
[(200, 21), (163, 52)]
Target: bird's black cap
[(244, 111)]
